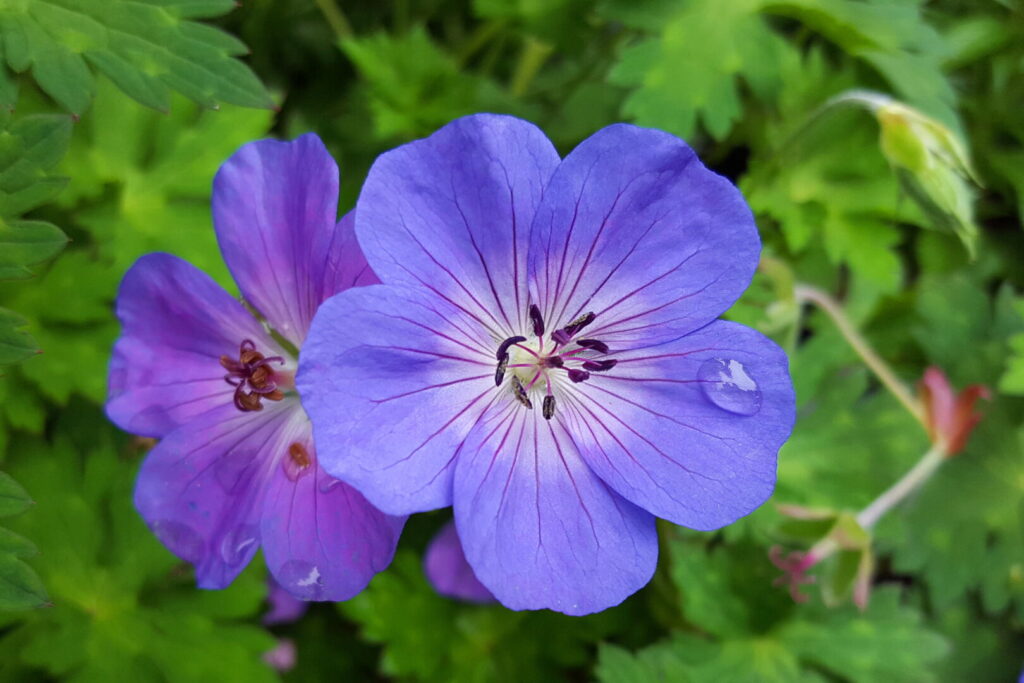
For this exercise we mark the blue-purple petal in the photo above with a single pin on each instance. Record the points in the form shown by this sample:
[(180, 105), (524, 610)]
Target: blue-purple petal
[(321, 539), (690, 430), (451, 214), (634, 228), (176, 324), (448, 571), (346, 266), (539, 528), (392, 385), (201, 488), (275, 207)]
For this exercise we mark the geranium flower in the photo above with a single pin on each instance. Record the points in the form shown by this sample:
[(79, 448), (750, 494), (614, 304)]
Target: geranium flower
[(544, 354), (236, 467)]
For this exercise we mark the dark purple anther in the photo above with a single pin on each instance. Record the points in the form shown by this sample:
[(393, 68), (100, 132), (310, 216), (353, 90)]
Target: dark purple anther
[(579, 375), (537, 320), (499, 374), (553, 362), (503, 347), (599, 365), (548, 408), (519, 391), (580, 322), (593, 344)]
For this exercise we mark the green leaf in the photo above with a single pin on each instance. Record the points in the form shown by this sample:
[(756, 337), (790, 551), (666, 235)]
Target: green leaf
[(15, 343), (430, 637), (889, 35), (412, 87), (886, 643), (694, 660), (29, 149), (142, 184), (26, 243), (823, 180), (146, 48), (125, 608), (13, 544), (692, 71), (14, 499), (726, 593), (1012, 381), (20, 586)]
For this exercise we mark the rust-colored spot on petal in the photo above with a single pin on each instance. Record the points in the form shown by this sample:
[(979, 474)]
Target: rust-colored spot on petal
[(299, 455)]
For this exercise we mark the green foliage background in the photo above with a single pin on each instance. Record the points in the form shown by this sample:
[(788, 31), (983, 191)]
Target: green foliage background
[(115, 114)]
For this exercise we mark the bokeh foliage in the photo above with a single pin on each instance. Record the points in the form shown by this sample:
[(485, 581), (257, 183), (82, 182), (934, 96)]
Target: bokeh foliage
[(115, 115)]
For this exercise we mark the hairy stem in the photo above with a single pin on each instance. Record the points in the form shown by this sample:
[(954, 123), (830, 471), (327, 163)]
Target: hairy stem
[(910, 481), (862, 347)]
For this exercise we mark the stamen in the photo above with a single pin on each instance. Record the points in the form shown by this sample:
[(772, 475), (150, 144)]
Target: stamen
[(553, 362), (563, 335), (247, 402), (599, 365), (580, 322), (593, 344), (579, 375), (537, 320), (503, 346), (499, 374), (252, 377), (549, 407), (520, 393)]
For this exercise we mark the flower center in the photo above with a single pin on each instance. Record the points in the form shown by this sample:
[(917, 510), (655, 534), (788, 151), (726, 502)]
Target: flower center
[(253, 377), (543, 364)]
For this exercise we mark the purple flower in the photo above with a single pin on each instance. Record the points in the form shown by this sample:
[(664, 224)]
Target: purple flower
[(544, 354), (447, 569), (236, 467)]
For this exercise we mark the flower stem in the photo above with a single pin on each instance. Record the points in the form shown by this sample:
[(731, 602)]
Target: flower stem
[(861, 346), (532, 57), (336, 18), (910, 481), (893, 496)]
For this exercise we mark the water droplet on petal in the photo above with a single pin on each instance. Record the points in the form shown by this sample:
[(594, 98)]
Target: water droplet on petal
[(728, 385), (301, 579), (180, 539), (237, 546)]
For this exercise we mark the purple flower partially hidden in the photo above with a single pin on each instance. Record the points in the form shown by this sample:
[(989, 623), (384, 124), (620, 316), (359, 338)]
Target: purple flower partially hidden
[(284, 607), (447, 569), (544, 354), (236, 467)]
